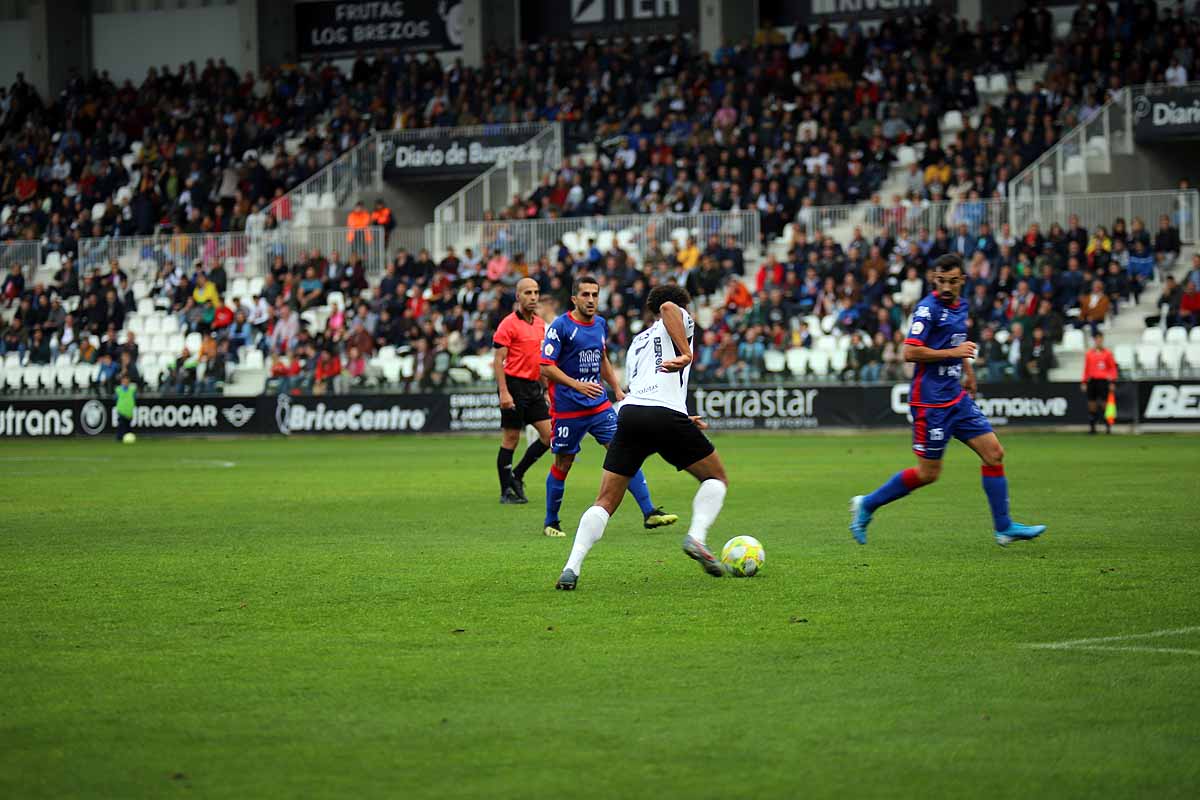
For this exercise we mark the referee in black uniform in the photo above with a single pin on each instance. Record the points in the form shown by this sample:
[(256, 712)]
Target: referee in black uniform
[(518, 344)]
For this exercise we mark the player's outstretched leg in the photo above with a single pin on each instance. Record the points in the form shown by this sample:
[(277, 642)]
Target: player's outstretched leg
[(995, 486), (591, 527), (556, 487), (651, 517), (862, 507), (706, 505)]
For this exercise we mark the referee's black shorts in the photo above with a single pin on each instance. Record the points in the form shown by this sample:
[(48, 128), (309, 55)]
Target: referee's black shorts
[(645, 430), (529, 404), (1097, 390)]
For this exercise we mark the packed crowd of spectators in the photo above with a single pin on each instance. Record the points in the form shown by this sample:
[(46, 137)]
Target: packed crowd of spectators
[(771, 124), (782, 127)]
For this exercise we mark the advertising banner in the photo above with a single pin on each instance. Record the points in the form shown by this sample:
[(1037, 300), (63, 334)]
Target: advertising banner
[(95, 417), (1169, 403), (776, 407), (819, 12), (463, 156), (1167, 113), (580, 19), (327, 28)]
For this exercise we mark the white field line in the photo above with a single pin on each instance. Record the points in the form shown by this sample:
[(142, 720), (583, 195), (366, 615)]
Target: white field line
[(1100, 643), (203, 462)]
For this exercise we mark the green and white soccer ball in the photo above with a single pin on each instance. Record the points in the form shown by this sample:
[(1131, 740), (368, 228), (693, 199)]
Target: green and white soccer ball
[(743, 556), (129, 438)]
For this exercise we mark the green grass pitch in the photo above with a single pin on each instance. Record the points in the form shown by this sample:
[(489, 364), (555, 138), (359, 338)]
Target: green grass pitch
[(334, 618)]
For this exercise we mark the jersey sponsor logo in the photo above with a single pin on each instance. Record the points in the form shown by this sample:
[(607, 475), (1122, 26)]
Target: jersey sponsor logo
[(552, 333), (922, 312), (1173, 402), (918, 328)]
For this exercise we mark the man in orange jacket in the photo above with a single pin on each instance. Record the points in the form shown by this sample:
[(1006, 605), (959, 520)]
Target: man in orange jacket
[(1099, 375), (382, 216), (358, 221)]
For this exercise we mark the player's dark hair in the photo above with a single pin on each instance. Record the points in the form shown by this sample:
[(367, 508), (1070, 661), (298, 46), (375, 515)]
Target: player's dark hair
[(580, 280), (948, 262), (667, 293)]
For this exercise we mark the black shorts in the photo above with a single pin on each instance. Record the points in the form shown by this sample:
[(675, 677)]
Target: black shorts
[(1097, 390), (529, 404), (645, 430)]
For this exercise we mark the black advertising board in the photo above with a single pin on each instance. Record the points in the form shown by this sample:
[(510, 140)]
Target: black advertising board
[(329, 28), (165, 415), (1166, 113), (764, 407), (819, 12), (1169, 403), (580, 19), (464, 156)]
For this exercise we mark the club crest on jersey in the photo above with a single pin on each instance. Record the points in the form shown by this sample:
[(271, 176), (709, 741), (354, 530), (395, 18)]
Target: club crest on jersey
[(944, 315)]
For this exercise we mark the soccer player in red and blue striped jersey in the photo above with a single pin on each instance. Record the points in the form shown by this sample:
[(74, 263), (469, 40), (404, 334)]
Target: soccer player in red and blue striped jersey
[(942, 404)]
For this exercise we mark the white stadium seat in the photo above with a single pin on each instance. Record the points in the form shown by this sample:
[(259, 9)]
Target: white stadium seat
[(1123, 353), (797, 360), (1172, 357), (1176, 335), (1148, 355), (818, 362), (998, 83), (774, 361), (1191, 356), (1152, 336), (1072, 341)]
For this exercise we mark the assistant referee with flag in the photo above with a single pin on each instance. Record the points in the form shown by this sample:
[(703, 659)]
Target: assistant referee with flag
[(518, 345)]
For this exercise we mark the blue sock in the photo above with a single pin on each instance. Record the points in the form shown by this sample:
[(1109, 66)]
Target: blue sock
[(641, 492), (996, 487), (897, 486), (556, 487)]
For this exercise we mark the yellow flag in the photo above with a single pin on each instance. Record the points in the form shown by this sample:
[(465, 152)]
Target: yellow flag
[(1110, 409)]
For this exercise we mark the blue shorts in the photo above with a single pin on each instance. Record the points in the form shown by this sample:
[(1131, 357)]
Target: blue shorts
[(568, 433), (933, 427)]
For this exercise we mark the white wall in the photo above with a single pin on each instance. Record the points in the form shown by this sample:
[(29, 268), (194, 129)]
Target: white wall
[(128, 44), (15, 53)]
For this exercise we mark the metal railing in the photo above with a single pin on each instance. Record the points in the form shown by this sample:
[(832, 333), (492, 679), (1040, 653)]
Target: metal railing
[(1181, 207), (242, 254), (25, 253), (840, 222), (516, 177), (640, 234)]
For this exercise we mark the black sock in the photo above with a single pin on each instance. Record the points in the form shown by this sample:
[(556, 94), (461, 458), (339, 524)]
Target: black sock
[(504, 467), (532, 454)]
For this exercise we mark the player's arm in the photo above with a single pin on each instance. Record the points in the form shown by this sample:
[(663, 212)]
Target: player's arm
[(919, 353), (506, 399), (608, 374), (672, 317), (970, 383), (553, 374)]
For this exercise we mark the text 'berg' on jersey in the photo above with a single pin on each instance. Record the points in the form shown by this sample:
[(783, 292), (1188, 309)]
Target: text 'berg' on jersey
[(647, 385), (938, 327), (577, 348)]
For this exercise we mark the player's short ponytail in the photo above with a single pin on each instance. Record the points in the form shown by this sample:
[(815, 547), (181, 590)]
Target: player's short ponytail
[(667, 293)]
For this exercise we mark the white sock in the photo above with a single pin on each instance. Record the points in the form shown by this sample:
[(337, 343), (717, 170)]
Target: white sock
[(591, 528), (705, 507)]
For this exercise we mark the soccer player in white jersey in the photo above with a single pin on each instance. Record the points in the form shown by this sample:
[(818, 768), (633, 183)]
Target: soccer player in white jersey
[(654, 419)]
